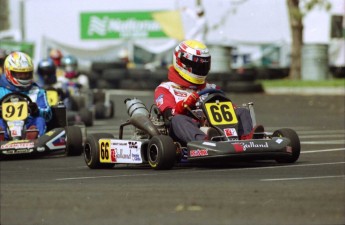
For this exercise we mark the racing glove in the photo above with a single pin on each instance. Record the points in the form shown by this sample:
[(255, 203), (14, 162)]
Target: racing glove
[(189, 102), (33, 109)]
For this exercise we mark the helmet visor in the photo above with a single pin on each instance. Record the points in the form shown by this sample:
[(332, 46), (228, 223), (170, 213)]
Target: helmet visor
[(70, 68), (197, 64), (22, 75)]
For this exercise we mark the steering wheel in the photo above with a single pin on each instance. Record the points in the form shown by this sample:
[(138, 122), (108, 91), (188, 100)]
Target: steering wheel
[(203, 92), (210, 91), (20, 96)]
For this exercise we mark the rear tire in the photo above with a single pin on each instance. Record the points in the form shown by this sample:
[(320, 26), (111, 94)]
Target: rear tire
[(161, 152), (111, 109), (74, 143), (86, 116), (100, 110), (294, 144), (91, 151)]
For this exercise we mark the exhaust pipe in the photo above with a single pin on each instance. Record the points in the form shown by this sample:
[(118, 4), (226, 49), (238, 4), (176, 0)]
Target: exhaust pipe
[(139, 116)]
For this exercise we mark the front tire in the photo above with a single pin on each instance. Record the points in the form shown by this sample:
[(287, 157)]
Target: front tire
[(294, 144), (91, 151), (161, 152)]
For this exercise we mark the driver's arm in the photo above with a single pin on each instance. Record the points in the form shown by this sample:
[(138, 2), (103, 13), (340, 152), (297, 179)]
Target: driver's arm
[(43, 105), (167, 105)]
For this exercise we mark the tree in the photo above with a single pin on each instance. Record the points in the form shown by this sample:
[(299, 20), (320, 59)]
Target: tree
[(4, 15), (297, 10)]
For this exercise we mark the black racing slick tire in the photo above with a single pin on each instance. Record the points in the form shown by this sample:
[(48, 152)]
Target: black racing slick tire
[(161, 152), (111, 109), (100, 110), (92, 151), (294, 144), (74, 142), (86, 116)]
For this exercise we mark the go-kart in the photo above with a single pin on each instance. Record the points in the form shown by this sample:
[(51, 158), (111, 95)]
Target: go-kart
[(97, 102), (151, 143), (59, 138), (85, 116)]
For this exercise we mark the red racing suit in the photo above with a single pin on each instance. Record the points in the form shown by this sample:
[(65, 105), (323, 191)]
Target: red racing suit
[(182, 127)]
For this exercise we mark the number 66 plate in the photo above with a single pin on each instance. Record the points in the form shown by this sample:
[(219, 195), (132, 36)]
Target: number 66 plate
[(221, 113)]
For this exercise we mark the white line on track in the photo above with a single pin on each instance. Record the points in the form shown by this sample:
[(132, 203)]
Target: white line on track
[(325, 150), (197, 171), (324, 142), (321, 132), (324, 136), (303, 178)]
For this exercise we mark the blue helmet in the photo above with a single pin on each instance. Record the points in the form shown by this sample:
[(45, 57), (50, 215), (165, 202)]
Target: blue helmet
[(69, 64), (46, 71)]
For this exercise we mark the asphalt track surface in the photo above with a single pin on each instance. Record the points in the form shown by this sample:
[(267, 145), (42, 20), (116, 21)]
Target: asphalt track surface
[(58, 190)]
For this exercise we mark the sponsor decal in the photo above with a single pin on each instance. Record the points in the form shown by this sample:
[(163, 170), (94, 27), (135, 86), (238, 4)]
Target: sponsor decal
[(13, 133), (123, 151), (289, 149), (136, 157), (198, 152), (59, 142), (279, 140), (119, 143), (50, 133), (40, 149), (18, 145), (238, 147), (121, 155), (209, 144), (180, 93), (254, 145), (18, 151), (112, 155), (133, 144), (230, 132), (177, 87), (159, 100)]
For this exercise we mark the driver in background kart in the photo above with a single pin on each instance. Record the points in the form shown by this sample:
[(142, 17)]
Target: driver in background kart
[(18, 78), (187, 76), (69, 64), (56, 56), (72, 81), (47, 77)]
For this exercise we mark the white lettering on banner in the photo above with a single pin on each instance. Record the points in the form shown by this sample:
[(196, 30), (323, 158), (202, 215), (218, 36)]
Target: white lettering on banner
[(130, 27)]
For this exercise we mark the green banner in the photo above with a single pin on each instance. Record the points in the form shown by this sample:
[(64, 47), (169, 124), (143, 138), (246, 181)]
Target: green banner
[(11, 46), (119, 25)]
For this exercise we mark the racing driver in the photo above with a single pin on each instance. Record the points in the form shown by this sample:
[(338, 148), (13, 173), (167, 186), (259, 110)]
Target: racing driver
[(18, 78), (187, 76)]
